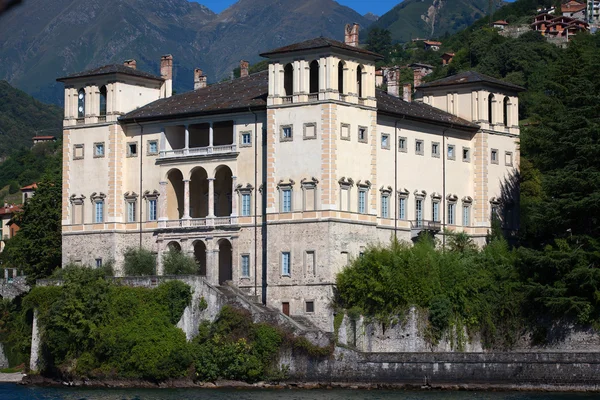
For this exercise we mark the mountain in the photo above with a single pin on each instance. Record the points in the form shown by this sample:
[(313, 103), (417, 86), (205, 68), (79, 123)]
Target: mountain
[(42, 40), (22, 117), (371, 17), (413, 19)]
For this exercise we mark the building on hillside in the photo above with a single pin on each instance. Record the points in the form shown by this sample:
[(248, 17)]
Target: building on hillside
[(7, 227), (500, 24), (447, 58), (432, 45), (574, 9), (43, 139), (27, 192), (284, 176), (558, 27)]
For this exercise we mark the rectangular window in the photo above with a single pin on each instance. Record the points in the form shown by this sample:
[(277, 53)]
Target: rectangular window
[(99, 212), (466, 215), (310, 263), (152, 147), (286, 200), (152, 210), (130, 211), (98, 150), (419, 147), (402, 207), (435, 211), (419, 212), (362, 134), (78, 152), (345, 131), (286, 133), (286, 266), (494, 156), (385, 206), (451, 213), (98, 262), (310, 306), (131, 149), (508, 159), (246, 139), (246, 204), (385, 141), (466, 154), (245, 265), (310, 131), (402, 144), (362, 201), (451, 154), (435, 150)]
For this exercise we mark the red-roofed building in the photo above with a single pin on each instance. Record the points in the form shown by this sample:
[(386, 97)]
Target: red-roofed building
[(28, 191), (8, 228), (573, 9), (432, 45), (447, 58), (500, 24)]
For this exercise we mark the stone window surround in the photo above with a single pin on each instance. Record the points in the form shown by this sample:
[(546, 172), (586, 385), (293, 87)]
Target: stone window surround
[(497, 156), (306, 125), (286, 139), (451, 199), (422, 143), (345, 185), (508, 155), (289, 275), (402, 194), (453, 147), (148, 151), (467, 201), (386, 135), (436, 198), (386, 192), (130, 154), (241, 191), (242, 276), (366, 138), (309, 184), (96, 155), (286, 185), (307, 253), (363, 187), (306, 302), (342, 126), (435, 154), (468, 157), (77, 201), (148, 195), (242, 144), (400, 141), (97, 198), (78, 146), (131, 198)]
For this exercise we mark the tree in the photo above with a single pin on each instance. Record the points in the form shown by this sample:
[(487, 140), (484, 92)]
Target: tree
[(139, 262), (380, 41), (176, 262)]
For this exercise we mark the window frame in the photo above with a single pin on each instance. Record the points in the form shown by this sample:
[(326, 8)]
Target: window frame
[(468, 155), (466, 217), (435, 209), (96, 146), (492, 152), (245, 274), (307, 255), (131, 154), (365, 138), (402, 201), (282, 134), (348, 129), (453, 147), (286, 255), (148, 147), (78, 146), (249, 135), (387, 138), (435, 149), (306, 125), (402, 140), (508, 154), (306, 303), (419, 147)]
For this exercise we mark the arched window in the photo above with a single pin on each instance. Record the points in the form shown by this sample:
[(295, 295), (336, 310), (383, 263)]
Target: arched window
[(81, 103), (359, 82), (314, 77), (103, 100), (341, 88), (490, 108), (505, 110), (288, 79)]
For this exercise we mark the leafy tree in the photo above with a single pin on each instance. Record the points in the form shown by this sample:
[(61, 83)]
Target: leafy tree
[(139, 262), (176, 262), (380, 41)]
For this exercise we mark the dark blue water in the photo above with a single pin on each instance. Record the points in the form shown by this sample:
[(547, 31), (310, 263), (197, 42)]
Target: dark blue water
[(15, 392)]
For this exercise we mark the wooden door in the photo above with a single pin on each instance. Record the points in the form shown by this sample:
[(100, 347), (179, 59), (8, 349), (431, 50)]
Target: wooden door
[(286, 308)]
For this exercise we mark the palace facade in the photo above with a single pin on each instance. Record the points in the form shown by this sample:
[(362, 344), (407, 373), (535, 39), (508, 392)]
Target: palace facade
[(282, 177)]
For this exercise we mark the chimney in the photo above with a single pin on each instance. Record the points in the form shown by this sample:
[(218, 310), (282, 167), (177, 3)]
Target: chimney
[(130, 63), (351, 34), (407, 92), (393, 82), (243, 69), (418, 77), (166, 72), (199, 79)]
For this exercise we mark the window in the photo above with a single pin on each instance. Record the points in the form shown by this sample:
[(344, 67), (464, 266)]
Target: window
[(246, 139), (81, 103), (490, 108), (309, 197), (152, 210), (286, 267), (362, 134), (494, 156), (385, 141), (435, 210), (310, 131), (314, 77), (508, 159), (402, 208), (99, 211), (130, 211), (78, 152), (152, 147), (288, 79), (98, 262), (402, 144), (362, 201), (341, 88), (103, 101), (466, 154), (310, 306), (385, 205), (245, 265), (310, 263), (451, 213), (131, 149), (419, 147), (359, 81), (345, 131), (435, 149), (286, 133), (451, 154), (286, 200), (419, 211), (98, 150), (246, 200), (466, 215), (505, 105)]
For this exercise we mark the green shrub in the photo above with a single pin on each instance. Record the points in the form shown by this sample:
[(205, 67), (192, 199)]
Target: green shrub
[(177, 263), (139, 262)]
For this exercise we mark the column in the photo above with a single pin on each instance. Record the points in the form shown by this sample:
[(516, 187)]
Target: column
[(186, 199), (160, 270), (163, 139), (187, 138), (211, 197), (162, 203), (234, 207), (210, 134)]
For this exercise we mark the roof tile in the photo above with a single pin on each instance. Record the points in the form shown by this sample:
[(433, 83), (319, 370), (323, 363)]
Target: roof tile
[(319, 43), (112, 69)]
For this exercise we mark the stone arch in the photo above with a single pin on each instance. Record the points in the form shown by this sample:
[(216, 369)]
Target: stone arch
[(225, 261), (341, 82), (288, 79), (359, 80), (200, 256), (81, 103), (505, 108), (103, 100), (314, 77), (198, 193), (174, 245), (491, 108), (175, 194), (223, 191)]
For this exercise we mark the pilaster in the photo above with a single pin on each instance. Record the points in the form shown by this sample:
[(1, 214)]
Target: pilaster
[(329, 184), (481, 212)]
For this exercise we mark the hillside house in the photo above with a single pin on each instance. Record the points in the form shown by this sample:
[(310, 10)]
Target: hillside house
[(7, 227), (432, 45)]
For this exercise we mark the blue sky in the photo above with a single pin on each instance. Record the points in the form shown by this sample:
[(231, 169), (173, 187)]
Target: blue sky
[(378, 7)]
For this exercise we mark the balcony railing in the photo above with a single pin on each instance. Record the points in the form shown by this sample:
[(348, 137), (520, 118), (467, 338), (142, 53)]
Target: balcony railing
[(198, 222), (198, 151), (287, 100), (313, 97), (361, 102), (420, 225), (80, 121), (102, 118), (343, 97)]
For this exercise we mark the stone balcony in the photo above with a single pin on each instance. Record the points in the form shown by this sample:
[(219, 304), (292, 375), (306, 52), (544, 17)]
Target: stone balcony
[(199, 223), (197, 152)]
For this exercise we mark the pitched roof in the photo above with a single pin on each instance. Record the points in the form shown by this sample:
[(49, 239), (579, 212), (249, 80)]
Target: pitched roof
[(33, 186), (500, 22), (389, 104), (112, 69), (229, 96), (470, 77), (432, 43), (320, 43), (10, 209), (43, 138)]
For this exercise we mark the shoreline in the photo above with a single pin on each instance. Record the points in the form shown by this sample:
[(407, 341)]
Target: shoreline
[(37, 380)]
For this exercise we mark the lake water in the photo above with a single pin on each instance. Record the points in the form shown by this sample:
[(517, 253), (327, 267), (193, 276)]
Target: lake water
[(16, 392)]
